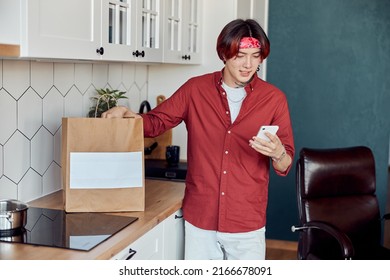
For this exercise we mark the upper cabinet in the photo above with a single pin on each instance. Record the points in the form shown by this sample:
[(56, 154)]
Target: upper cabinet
[(132, 30), (182, 31), (59, 29), (149, 30), (118, 36), (51, 28), (122, 30)]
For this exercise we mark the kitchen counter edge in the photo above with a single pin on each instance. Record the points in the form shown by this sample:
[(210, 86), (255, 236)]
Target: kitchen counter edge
[(162, 199)]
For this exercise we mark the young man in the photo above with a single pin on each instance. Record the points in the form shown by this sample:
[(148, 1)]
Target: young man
[(226, 194)]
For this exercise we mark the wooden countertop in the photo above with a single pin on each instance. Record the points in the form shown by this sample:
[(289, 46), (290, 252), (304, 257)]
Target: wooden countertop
[(162, 198)]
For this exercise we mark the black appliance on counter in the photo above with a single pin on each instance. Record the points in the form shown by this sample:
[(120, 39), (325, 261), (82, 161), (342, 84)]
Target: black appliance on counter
[(57, 228), (159, 169)]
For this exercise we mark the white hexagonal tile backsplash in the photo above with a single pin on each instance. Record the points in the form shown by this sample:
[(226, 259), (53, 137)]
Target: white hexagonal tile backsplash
[(41, 77), (1, 73), (42, 150), (16, 76), (34, 96), (83, 76), (73, 103), (53, 110), (29, 113), (9, 189), (1, 161), (16, 156), (7, 115)]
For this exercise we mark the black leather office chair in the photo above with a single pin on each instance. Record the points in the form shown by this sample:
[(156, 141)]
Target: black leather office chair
[(338, 209)]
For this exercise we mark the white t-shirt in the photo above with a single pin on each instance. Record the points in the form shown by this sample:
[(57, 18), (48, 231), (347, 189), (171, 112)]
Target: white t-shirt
[(235, 97)]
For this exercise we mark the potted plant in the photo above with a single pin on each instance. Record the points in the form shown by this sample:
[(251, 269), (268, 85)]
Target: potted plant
[(105, 99)]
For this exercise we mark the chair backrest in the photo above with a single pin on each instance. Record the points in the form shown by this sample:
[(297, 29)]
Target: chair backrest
[(337, 186)]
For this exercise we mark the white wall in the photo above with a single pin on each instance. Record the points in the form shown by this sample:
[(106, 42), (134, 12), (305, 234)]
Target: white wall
[(165, 79)]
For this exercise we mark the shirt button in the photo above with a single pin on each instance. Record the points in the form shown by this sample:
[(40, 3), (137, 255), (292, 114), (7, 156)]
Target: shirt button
[(223, 93), (229, 131), (227, 112), (222, 193), (224, 172), (226, 152)]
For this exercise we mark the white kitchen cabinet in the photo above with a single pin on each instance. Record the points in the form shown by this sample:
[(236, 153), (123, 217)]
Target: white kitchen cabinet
[(173, 245), (131, 30), (149, 31), (163, 242), (118, 24), (124, 30), (147, 247), (52, 28), (182, 31)]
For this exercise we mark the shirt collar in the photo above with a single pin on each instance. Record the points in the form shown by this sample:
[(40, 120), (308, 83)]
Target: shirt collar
[(248, 88)]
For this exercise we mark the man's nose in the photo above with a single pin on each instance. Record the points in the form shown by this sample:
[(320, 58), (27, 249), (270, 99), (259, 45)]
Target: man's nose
[(248, 62)]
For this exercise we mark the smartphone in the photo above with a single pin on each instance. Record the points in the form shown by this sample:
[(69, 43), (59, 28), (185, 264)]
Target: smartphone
[(269, 128)]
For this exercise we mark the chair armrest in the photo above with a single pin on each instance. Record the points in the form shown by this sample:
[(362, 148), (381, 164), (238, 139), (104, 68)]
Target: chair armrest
[(386, 216), (343, 240)]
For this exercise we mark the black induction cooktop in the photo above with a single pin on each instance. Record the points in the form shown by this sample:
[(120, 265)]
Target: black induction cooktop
[(57, 228)]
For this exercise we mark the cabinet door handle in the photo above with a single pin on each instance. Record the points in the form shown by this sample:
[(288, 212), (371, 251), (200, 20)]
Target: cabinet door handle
[(131, 254), (185, 57), (100, 51), (178, 217), (137, 53)]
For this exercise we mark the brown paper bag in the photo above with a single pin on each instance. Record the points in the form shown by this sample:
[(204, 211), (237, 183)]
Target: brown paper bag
[(99, 135)]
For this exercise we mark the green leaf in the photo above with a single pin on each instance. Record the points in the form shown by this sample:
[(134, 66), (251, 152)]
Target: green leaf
[(105, 99)]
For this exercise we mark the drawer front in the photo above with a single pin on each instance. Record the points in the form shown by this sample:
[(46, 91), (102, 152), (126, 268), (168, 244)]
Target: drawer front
[(147, 247)]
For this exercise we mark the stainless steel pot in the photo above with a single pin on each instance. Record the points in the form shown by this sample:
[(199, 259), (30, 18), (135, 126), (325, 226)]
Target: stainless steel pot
[(13, 214)]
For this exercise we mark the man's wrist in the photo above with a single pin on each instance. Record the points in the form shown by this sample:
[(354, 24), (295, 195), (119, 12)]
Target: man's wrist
[(280, 158)]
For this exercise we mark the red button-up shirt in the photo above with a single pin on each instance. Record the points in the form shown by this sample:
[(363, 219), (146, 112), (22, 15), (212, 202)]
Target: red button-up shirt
[(227, 180)]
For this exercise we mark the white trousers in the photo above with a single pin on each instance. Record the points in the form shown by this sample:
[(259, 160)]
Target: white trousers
[(203, 244)]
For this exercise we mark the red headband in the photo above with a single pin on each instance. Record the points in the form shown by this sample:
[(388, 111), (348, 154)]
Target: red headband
[(249, 42)]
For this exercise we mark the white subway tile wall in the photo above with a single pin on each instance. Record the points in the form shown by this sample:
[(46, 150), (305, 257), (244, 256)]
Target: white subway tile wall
[(34, 97)]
